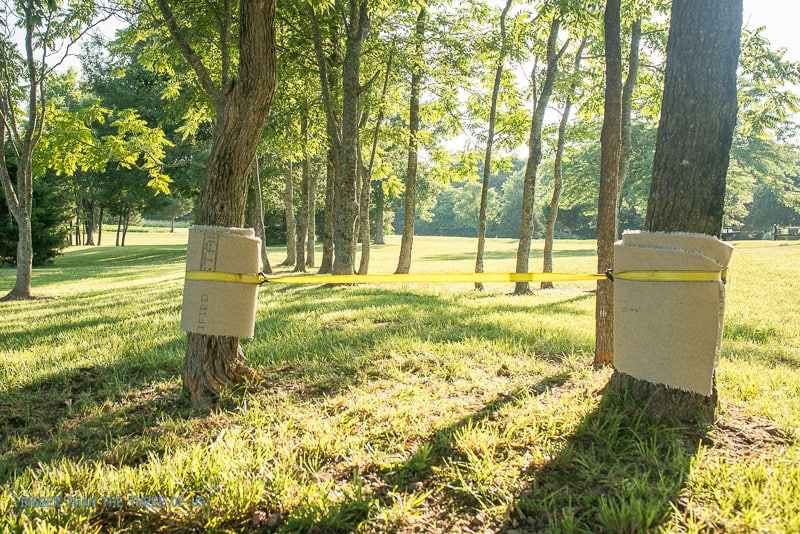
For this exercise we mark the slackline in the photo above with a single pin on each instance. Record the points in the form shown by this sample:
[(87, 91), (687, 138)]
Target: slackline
[(439, 278)]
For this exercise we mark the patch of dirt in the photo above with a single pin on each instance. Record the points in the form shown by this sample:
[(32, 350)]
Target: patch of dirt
[(745, 436)]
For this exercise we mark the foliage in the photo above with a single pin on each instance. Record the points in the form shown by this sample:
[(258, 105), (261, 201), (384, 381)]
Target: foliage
[(50, 221)]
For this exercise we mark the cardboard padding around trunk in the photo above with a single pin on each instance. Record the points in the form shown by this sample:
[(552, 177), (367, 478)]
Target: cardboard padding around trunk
[(214, 307), (669, 332)]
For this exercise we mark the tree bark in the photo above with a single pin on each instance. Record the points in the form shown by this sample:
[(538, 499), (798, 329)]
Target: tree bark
[(326, 264), (410, 205), (698, 118), (311, 239), (100, 226), (627, 104), (487, 156), (288, 210), (258, 205), (558, 179), (346, 212), (242, 106), (380, 200), (535, 155), (366, 187), (305, 195), (610, 142)]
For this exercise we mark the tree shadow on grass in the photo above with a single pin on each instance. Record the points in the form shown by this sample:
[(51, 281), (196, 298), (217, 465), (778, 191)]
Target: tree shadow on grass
[(98, 412), (619, 471)]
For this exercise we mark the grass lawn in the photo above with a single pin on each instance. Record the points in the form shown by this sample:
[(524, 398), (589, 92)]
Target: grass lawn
[(387, 408)]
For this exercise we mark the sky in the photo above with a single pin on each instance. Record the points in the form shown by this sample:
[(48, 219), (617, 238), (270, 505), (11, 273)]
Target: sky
[(780, 19)]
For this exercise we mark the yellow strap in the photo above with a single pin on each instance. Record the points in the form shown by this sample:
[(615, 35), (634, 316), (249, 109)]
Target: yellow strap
[(672, 276), (214, 276), (435, 278), (438, 278)]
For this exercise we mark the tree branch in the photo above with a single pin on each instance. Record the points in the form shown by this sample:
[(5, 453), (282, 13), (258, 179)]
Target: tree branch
[(191, 57)]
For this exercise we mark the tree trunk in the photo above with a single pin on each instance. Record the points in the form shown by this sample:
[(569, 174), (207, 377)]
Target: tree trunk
[(487, 157), (78, 240), (346, 200), (610, 141), (311, 239), (258, 205), (336, 150), (379, 203), (119, 229), (126, 221), (22, 284), (305, 196), (89, 220), (363, 218), (535, 155), (558, 180), (214, 362), (326, 265), (100, 226), (627, 104), (291, 221), (366, 236), (698, 117), (409, 207)]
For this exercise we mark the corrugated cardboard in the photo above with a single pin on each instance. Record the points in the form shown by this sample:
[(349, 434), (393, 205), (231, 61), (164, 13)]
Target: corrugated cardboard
[(669, 332), (214, 307)]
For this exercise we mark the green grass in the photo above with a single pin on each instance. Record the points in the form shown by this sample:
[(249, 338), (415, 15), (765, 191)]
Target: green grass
[(387, 409)]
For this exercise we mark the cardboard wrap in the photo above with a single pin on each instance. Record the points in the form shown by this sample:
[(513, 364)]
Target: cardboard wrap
[(215, 307), (669, 332)]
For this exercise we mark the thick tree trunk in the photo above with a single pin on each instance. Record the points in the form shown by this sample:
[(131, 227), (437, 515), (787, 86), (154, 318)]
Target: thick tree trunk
[(698, 117), (291, 221), (344, 228), (410, 205), (535, 155), (214, 362), (610, 143), (487, 156)]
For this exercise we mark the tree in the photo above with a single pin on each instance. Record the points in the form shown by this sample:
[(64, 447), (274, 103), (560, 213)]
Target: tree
[(698, 119), (240, 103), (611, 144), (406, 243), (343, 129), (487, 158), (558, 180), (541, 101), (47, 30)]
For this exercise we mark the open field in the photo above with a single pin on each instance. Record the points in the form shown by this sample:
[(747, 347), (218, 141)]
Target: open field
[(387, 409)]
